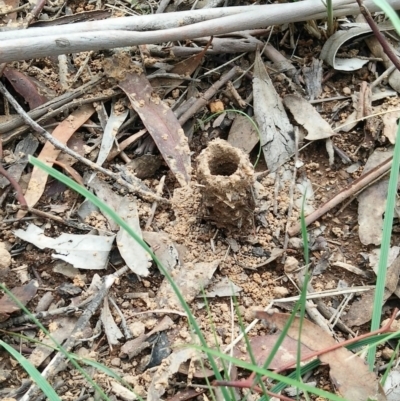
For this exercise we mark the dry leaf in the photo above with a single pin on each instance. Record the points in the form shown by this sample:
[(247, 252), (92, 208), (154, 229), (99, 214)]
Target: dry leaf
[(372, 202), (25, 86), (185, 67), (62, 132), (276, 131), (111, 329), (161, 123), (262, 346), (163, 248), (114, 122), (306, 115), (190, 279), (136, 258), (243, 134), (82, 251), (24, 294), (349, 373)]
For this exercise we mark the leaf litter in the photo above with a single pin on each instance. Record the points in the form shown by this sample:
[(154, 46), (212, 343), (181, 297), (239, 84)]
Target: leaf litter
[(153, 126)]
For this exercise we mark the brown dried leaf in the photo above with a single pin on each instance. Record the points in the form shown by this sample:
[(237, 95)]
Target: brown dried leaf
[(26, 87), (185, 67), (261, 347), (62, 132), (70, 170), (161, 123), (348, 372), (24, 294)]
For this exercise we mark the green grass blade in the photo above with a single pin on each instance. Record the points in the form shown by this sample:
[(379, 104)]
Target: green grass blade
[(275, 376), (108, 210), (33, 373), (386, 236), (391, 14), (58, 346)]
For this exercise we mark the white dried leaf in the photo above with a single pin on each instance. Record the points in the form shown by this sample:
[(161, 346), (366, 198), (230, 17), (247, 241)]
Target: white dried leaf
[(82, 251)]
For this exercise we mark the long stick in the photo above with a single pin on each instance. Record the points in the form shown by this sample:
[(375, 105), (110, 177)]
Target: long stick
[(261, 17), (355, 187)]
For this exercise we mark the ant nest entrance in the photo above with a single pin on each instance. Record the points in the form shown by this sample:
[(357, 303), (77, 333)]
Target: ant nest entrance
[(227, 178)]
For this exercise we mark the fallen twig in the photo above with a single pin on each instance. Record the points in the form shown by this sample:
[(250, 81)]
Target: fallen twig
[(379, 35), (52, 368), (137, 186), (53, 104), (19, 194), (13, 47), (155, 204), (352, 189), (207, 95), (250, 383)]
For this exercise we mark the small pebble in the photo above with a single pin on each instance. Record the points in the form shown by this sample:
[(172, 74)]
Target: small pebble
[(346, 91), (116, 362)]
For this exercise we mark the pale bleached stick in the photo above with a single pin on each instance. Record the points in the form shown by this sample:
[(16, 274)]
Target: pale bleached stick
[(12, 49)]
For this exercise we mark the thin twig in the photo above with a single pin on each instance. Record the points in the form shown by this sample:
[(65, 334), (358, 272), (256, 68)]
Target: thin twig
[(19, 194), (154, 205), (137, 186), (379, 35), (208, 94), (355, 187), (56, 362), (251, 17), (249, 382)]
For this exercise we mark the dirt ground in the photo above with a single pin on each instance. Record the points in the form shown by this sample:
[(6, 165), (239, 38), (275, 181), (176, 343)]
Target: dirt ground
[(246, 255)]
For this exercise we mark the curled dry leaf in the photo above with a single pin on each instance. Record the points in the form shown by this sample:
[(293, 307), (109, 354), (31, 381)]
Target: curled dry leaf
[(349, 373), (336, 41)]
